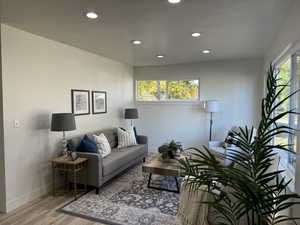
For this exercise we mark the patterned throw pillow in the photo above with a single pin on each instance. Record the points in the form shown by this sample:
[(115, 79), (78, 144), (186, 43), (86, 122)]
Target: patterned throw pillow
[(126, 138), (102, 144)]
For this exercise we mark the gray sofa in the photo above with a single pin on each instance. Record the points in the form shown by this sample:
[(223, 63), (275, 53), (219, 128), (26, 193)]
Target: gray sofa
[(100, 170)]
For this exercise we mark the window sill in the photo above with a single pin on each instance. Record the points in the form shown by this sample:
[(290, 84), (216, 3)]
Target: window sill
[(168, 102)]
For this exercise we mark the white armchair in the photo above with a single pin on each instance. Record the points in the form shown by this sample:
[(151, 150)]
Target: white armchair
[(213, 144), (192, 210), (218, 146)]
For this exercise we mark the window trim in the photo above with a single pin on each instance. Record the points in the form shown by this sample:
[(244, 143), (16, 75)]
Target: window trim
[(290, 168), (166, 101)]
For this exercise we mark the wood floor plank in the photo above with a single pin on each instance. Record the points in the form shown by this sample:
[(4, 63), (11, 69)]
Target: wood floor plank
[(42, 211)]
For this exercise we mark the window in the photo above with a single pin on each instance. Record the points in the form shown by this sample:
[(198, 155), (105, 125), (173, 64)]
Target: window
[(167, 90), (289, 72)]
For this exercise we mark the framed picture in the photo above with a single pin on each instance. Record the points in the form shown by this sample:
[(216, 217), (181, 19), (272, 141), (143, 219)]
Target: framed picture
[(99, 102), (80, 102)]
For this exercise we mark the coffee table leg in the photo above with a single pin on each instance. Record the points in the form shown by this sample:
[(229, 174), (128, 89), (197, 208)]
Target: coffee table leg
[(149, 180), (177, 185)]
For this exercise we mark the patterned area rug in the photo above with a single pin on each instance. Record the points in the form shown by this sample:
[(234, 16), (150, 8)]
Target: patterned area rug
[(127, 200)]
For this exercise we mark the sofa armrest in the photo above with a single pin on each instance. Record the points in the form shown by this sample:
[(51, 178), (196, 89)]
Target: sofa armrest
[(212, 144), (94, 168), (141, 139)]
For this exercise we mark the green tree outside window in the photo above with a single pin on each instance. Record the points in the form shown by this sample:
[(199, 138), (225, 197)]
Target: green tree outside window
[(167, 90)]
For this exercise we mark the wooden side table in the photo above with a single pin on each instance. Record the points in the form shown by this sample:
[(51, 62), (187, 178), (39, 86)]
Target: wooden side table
[(66, 166)]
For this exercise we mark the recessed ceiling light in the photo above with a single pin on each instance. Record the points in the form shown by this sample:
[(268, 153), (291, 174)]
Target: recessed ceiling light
[(136, 42), (160, 56), (206, 51), (174, 1), (196, 34), (91, 15)]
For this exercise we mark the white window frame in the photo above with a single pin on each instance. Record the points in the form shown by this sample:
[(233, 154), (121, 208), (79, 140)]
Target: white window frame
[(193, 101), (293, 105), (293, 102)]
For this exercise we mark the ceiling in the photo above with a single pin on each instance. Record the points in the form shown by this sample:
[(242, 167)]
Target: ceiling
[(232, 29)]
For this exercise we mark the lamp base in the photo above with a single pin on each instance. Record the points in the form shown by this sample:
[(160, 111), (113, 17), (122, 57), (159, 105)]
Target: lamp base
[(64, 146)]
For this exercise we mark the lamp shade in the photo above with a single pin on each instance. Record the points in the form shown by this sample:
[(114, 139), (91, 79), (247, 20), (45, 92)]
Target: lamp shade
[(131, 113), (212, 106), (63, 122)]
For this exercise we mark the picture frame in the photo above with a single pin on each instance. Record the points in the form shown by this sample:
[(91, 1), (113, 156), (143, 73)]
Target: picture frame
[(99, 102), (80, 102)]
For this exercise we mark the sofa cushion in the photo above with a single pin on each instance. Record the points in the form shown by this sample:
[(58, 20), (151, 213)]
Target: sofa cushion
[(126, 138), (87, 145), (110, 134), (119, 158), (103, 144)]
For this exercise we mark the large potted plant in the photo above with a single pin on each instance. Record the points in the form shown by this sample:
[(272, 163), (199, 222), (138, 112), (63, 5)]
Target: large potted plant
[(248, 192)]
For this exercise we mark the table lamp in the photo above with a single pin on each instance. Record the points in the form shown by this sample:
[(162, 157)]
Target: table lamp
[(63, 122), (132, 114)]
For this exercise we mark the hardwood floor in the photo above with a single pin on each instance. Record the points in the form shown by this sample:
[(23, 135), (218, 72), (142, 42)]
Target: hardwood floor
[(42, 211)]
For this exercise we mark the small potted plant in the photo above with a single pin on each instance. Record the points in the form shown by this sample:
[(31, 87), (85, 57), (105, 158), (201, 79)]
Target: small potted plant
[(170, 150)]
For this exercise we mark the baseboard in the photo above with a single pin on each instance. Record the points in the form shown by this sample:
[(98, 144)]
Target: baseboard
[(25, 198), (3, 209)]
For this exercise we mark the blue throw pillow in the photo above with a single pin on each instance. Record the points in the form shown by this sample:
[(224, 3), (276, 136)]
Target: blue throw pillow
[(87, 145)]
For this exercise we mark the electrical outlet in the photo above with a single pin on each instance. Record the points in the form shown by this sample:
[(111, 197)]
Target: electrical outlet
[(17, 124)]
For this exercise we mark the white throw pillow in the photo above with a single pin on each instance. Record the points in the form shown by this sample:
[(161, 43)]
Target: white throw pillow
[(126, 138), (102, 144)]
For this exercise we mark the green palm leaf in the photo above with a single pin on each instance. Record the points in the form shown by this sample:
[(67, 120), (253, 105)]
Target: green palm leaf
[(249, 190)]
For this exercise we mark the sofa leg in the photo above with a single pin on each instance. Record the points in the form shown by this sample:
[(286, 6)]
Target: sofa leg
[(97, 191), (144, 159)]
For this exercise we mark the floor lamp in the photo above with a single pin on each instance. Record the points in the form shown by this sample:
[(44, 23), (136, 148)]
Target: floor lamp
[(211, 106)]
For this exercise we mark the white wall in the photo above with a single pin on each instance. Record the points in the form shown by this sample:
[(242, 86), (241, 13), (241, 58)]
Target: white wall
[(2, 169), (38, 75), (235, 83), (288, 36)]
